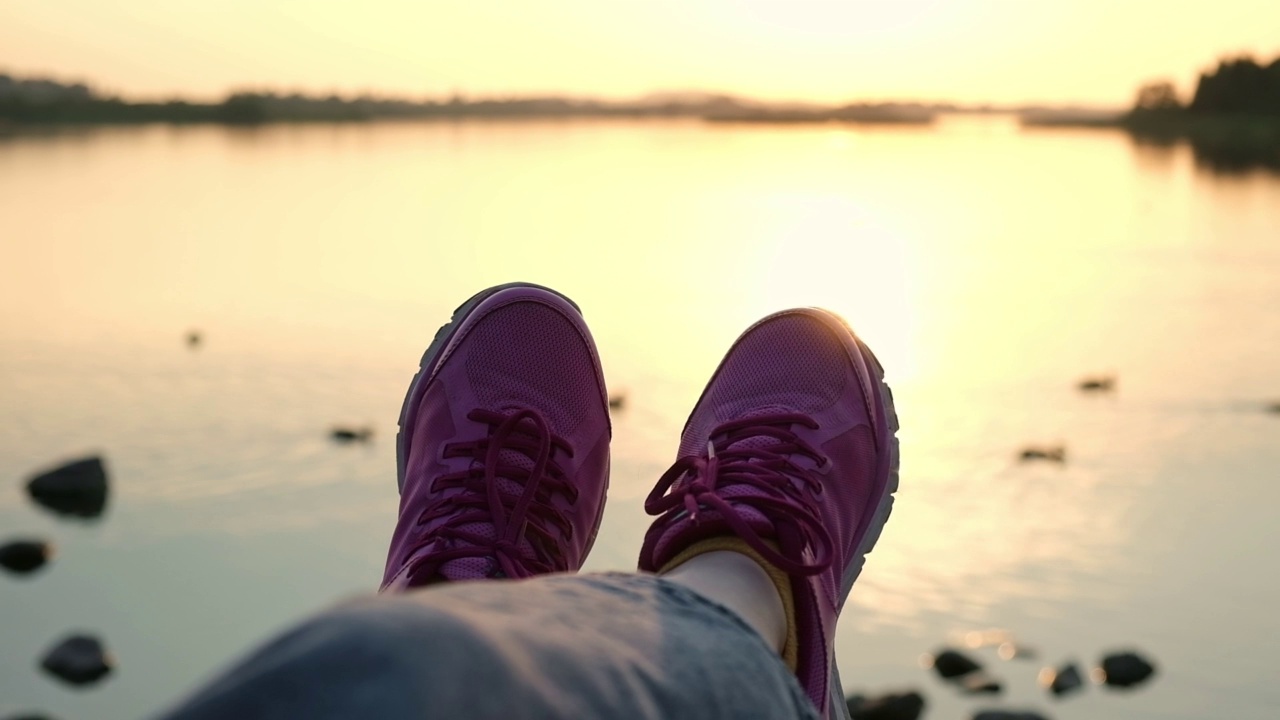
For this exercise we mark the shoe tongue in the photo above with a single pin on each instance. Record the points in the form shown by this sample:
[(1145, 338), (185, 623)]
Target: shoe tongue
[(475, 568), (754, 442)]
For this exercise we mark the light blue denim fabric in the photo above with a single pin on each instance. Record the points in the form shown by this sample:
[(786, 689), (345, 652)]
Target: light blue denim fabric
[(621, 646)]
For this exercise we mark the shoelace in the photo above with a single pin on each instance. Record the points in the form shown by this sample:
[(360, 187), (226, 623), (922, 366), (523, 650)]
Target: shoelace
[(529, 516), (787, 491)]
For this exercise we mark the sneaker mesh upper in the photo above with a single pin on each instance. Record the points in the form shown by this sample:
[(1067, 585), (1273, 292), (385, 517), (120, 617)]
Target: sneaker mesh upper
[(531, 355), (758, 378)]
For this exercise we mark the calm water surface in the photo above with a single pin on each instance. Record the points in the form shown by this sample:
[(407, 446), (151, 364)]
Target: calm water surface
[(989, 268)]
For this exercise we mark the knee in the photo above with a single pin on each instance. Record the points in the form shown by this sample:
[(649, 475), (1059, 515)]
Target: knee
[(394, 637)]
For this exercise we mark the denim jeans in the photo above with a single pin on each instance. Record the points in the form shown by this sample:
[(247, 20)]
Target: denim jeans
[(558, 646)]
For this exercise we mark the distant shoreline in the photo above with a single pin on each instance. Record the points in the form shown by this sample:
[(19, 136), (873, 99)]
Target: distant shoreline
[(1225, 141), (254, 110), (39, 101), (1233, 122), (28, 102)]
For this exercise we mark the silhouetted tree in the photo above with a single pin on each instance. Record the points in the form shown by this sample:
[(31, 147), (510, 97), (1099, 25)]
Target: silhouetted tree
[(243, 109), (1239, 86), (1158, 97)]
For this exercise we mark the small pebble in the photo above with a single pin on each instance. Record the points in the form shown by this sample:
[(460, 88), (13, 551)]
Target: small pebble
[(1125, 669), (1051, 454), (952, 664), (77, 489), (346, 435), (893, 706), (1008, 715), (78, 660), (25, 556), (1097, 384), (1065, 679)]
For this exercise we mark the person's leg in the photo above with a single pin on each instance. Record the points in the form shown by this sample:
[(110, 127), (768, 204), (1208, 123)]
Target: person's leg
[(740, 584), (634, 647), (789, 460)]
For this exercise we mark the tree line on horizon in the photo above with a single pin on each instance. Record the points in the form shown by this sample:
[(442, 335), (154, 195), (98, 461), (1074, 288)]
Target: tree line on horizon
[(1237, 86), (1232, 122), (44, 101)]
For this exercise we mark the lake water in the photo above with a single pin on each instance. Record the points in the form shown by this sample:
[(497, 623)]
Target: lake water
[(989, 268)]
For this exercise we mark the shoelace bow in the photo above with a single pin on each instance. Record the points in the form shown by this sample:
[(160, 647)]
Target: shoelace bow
[(529, 516), (788, 490)]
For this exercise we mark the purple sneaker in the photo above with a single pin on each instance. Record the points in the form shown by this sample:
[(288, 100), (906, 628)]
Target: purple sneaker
[(503, 451), (791, 448)]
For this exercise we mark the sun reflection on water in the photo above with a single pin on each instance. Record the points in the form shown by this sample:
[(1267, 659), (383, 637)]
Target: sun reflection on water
[(988, 269)]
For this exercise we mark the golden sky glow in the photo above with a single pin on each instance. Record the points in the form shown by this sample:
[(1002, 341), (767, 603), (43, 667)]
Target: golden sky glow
[(1094, 51)]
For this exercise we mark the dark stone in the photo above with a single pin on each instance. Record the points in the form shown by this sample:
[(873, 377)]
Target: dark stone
[(617, 402), (1066, 679), (893, 706), (1097, 384), (1126, 669), (1052, 454), (953, 664), (1274, 407), (24, 556), (77, 489), (980, 683), (28, 716), (194, 338), (346, 435), (1007, 715), (78, 660)]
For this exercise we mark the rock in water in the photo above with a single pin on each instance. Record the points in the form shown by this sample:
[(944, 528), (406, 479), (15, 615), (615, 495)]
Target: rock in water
[(28, 716), (24, 556), (894, 706), (346, 435), (1126, 669), (78, 660), (1007, 715), (1052, 454), (1065, 679), (1101, 383), (77, 489), (953, 664)]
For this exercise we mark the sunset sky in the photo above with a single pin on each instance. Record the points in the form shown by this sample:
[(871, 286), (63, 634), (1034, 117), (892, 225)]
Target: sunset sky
[(1088, 51)]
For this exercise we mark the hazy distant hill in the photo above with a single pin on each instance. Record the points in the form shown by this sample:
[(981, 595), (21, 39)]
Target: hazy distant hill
[(41, 90), (44, 101)]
